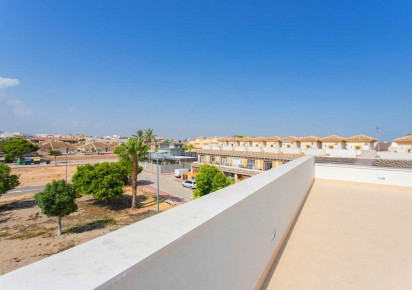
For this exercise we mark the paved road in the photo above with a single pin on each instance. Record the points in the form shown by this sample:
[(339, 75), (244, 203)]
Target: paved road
[(24, 190), (168, 183)]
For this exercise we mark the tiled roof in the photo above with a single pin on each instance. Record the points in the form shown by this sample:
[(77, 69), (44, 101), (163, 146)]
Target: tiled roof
[(332, 138), (361, 138), (262, 155), (310, 138), (404, 140), (290, 139)]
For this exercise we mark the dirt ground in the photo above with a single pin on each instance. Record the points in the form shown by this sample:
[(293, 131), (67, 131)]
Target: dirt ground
[(81, 156), (38, 176), (26, 235)]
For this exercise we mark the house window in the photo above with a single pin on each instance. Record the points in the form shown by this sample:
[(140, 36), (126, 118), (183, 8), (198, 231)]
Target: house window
[(267, 165), (330, 146), (288, 146), (271, 145), (212, 159), (202, 158), (307, 146), (357, 148), (223, 159), (250, 163)]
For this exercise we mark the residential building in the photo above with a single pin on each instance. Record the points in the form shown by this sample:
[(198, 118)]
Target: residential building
[(242, 164), (310, 142), (360, 142), (333, 142), (404, 144)]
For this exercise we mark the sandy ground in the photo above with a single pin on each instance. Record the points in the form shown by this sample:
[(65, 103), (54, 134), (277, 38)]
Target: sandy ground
[(81, 156), (38, 176), (26, 235)]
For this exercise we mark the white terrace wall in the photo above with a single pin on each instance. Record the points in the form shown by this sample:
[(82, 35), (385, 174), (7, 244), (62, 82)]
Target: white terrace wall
[(225, 240), (375, 175), (394, 155)]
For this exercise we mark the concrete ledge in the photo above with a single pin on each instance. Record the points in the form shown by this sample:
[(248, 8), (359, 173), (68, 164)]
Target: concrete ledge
[(364, 174), (222, 241)]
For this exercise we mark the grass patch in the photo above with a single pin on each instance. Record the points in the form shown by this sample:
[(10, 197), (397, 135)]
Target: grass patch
[(30, 233), (4, 234), (93, 225)]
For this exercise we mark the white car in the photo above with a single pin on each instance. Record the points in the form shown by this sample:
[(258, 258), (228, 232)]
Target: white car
[(189, 183)]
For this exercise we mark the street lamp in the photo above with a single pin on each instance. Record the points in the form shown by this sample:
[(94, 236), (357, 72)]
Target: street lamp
[(161, 157)]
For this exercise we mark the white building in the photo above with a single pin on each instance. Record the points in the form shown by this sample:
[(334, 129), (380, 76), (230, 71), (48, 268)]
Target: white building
[(335, 142), (360, 142), (404, 144), (310, 142)]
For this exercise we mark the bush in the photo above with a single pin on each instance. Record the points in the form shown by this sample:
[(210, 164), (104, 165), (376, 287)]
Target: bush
[(101, 180), (7, 181)]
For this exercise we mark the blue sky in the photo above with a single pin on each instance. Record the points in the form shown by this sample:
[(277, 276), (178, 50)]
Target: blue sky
[(190, 68)]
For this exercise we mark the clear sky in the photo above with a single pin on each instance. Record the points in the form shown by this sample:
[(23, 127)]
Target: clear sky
[(190, 68)]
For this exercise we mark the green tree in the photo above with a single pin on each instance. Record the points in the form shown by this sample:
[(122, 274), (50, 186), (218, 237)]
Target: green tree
[(133, 151), (220, 181), (187, 147), (16, 147), (101, 180), (57, 200), (209, 179), (238, 136), (7, 181), (55, 153)]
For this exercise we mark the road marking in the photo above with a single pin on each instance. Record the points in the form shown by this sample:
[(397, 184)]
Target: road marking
[(15, 191)]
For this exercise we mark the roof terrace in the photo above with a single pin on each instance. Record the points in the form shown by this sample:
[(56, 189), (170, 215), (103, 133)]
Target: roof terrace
[(285, 228)]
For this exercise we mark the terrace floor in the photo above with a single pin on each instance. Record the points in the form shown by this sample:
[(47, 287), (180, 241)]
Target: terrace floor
[(348, 236)]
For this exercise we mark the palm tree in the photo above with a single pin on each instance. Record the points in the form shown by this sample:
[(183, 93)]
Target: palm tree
[(133, 151), (149, 136)]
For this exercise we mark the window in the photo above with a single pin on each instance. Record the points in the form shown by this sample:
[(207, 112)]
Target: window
[(271, 145), (212, 159), (250, 163), (288, 146), (330, 146), (307, 146), (358, 147), (202, 158), (267, 165), (223, 159)]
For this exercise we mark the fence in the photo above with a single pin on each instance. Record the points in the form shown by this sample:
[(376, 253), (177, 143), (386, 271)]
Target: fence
[(164, 168)]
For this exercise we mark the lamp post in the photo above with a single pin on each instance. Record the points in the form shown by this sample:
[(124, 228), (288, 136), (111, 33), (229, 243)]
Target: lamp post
[(158, 156)]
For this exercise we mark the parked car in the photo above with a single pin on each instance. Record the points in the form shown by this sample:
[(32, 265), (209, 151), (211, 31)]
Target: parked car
[(189, 183), (178, 172)]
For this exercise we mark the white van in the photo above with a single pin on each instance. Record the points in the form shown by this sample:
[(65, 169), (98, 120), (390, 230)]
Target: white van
[(178, 172)]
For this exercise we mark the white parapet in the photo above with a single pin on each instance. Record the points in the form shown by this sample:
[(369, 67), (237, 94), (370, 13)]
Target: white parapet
[(225, 240), (365, 174)]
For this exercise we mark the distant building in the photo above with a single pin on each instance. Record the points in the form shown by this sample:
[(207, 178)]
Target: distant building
[(404, 144), (360, 142)]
